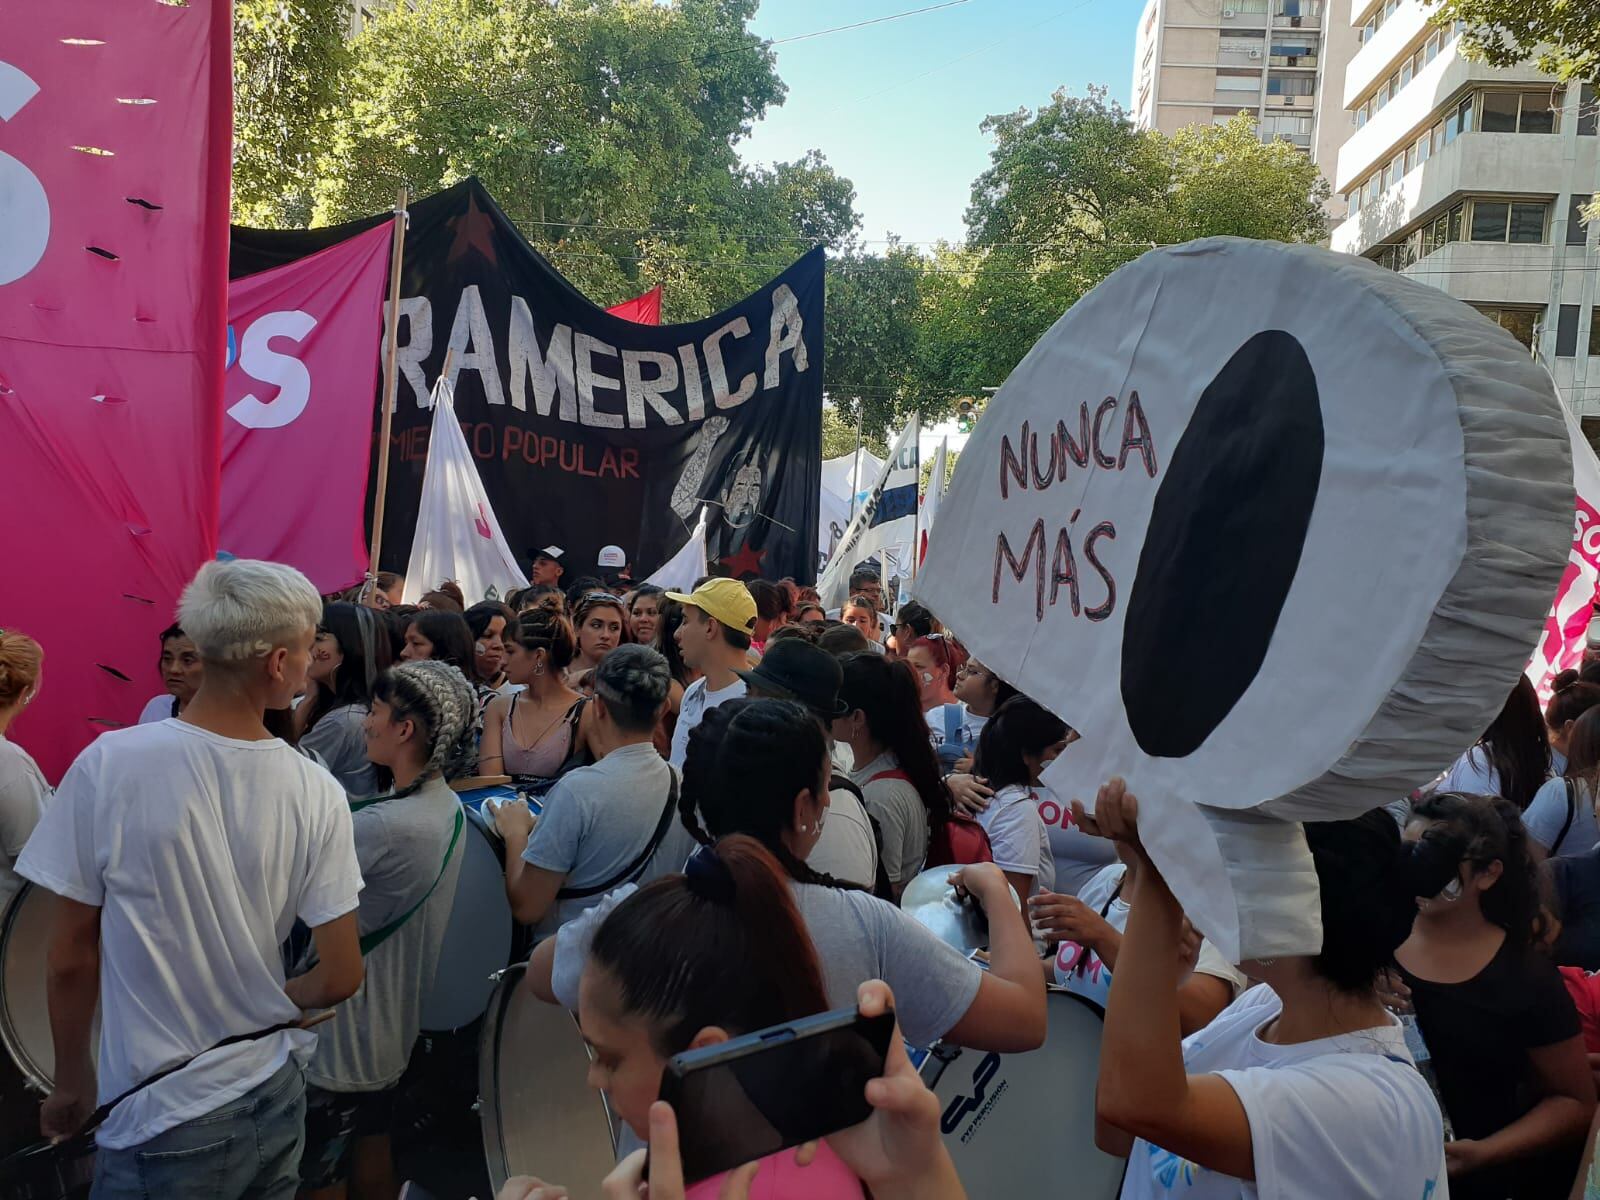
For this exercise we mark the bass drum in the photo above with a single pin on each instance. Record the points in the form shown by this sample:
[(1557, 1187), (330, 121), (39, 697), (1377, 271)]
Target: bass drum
[(1023, 1124), (479, 939), (540, 1117)]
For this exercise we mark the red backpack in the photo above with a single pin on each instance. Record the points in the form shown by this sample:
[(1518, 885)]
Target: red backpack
[(955, 843)]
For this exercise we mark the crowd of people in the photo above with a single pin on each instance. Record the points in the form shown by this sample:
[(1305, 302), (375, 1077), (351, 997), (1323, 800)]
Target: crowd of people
[(737, 787)]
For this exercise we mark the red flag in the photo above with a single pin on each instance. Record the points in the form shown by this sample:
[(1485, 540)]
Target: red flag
[(303, 343), (115, 131), (641, 310)]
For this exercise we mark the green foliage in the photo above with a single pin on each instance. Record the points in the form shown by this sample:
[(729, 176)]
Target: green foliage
[(839, 436), (1562, 37)]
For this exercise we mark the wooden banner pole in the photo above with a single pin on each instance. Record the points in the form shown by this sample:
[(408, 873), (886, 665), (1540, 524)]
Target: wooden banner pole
[(392, 346)]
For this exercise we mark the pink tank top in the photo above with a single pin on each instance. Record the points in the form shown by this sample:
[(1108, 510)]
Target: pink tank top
[(827, 1178), (541, 761)]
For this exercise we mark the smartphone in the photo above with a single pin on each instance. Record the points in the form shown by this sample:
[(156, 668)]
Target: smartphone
[(775, 1088)]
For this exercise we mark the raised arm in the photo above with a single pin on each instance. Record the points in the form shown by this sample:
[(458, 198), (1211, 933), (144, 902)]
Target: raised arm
[(1008, 1013)]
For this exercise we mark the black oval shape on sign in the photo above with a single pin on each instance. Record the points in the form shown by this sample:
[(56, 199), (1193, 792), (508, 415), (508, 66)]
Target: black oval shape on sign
[(1226, 533)]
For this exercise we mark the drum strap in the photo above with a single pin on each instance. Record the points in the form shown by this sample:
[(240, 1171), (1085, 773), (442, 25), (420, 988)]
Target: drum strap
[(634, 869), (377, 937)]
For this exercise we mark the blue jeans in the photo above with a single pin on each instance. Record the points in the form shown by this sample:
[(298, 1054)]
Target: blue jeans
[(249, 1148)]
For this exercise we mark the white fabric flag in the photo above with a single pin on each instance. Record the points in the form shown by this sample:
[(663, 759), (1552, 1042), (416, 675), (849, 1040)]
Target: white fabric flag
[(844, 479), (930, 502), (680, 571), (884, 523), (1561, 645), (457, 534)]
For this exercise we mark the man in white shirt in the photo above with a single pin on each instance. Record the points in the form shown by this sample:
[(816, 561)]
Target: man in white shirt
[(718, 619), (182, 852)]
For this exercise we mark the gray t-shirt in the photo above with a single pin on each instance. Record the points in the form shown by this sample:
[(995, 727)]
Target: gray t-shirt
[(897, 807), (596, 821), (340, 744), (400, 845), (857, 936), (1547, 814)]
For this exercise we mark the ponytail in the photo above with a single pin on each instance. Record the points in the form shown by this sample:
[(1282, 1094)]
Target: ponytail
[(886, 690), (722, 944)]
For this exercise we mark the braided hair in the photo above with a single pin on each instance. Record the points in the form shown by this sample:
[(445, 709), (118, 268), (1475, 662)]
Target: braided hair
[(746, 762), (437, 696)]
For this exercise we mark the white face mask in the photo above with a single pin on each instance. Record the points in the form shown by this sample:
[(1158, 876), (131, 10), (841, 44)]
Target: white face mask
[(1451, 891)]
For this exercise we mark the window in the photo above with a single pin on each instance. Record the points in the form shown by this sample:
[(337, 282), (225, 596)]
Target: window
[(1577, 230), (1291, 85), (1238, 83), (1588, 111), (1352, 202), (1369, 190), (1567, 331), (1424, 148), (1436, 137), (1594, 333), (1489, 219), (1459, 121), (1520, 112), (1382, 97), (1411, 157), (1457, 217), (1499, 112), (1540, 111), (1361, 116), (1430, 48), (1518, 322), (1405, 72), (1527, 223)]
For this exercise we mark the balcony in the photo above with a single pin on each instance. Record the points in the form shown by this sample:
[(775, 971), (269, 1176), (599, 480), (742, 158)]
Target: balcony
[(1479, 164), (1376, 58), (1489, 272)]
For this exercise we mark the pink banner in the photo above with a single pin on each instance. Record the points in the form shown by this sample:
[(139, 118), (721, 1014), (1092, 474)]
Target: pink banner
[(303, 346), (1561, 646), (115, 130), (641, 310)]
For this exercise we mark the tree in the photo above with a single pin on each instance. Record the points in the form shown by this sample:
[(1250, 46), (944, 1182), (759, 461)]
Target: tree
[(872, 340), (1562, 37), (287, 58), (839, 436)]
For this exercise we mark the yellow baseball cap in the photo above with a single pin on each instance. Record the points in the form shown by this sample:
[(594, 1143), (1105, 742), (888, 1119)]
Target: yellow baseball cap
[(724, 600)]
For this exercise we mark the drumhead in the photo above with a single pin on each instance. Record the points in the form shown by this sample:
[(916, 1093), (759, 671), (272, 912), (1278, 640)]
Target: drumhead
[(24, 1008), (1022, 1124), (540, 1117), (478, 938)]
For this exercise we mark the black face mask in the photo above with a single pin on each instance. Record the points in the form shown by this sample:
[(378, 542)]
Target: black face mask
[(1432, 861)]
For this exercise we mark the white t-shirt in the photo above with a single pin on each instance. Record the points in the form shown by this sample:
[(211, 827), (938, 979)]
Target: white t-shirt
[(1080, 970), (1346, 1117), (159, 709), (23, 796), (1547, 814), (697, 701), (200, 851), (1473, 774), (846, 850), (1017, 836)]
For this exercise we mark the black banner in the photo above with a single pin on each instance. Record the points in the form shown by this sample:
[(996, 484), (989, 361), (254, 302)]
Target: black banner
[(589, 430)]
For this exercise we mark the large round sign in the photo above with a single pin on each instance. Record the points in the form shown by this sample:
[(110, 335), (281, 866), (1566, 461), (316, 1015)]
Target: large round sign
[(1273, 528)]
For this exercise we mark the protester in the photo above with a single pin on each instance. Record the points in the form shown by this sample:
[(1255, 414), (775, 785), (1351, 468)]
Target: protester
[(533, 732), (546, 569), (839, 639), (447, 597), (714, 638), (383, 591), (490, 622), (612, 562), (773, 611), (180, 853), (665, 643), (1512, 758), (1021, 740), (861, 613), (540, 596), (601, 624), (23, 789), (181, 672), (895, 766), (1574, 895), (351, 650), (580, 588), (811, 613), (1501, 1030), (441, 637), (601, 824), (644, 612), (982, 691), (809, 632), (761, 770), (911, 623), (408, 845), (1562, 818), (1089, 928), (794, 670), (935, 661), (865, 581), (1570, 698), (1303, 1086)]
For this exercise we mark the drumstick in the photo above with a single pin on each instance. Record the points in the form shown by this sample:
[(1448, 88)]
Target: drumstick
[(310, 1019)]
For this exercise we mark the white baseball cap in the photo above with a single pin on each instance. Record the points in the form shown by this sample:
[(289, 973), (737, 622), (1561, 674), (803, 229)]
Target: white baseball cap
[(612, 557), (553, 553)]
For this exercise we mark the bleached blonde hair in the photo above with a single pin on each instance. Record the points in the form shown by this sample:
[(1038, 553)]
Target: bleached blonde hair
[(241, 609)]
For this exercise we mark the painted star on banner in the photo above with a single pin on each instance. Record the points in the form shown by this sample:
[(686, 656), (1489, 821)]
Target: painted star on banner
[(474, 230), (746, 562)]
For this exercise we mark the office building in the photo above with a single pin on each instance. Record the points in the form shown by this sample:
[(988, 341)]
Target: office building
[(1472, 178)]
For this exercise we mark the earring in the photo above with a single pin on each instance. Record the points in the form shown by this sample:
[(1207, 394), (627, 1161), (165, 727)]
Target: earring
[(538, 668)]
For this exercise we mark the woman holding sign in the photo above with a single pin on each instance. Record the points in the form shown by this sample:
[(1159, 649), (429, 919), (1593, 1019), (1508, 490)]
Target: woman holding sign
[(1303, 1086)]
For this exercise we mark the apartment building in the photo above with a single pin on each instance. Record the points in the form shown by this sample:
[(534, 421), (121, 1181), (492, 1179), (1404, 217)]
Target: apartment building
[(1199, 62), (1472, 178)]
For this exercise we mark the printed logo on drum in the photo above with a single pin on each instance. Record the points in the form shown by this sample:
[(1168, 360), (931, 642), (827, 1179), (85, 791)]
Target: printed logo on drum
[(961, 1107)]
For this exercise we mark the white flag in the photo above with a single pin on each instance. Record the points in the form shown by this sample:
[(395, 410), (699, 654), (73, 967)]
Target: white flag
[(680, 571), (930, 502), (457, 534), (884, 524)]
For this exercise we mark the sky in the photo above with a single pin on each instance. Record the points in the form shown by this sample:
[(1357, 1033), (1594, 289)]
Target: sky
[(895, 107)]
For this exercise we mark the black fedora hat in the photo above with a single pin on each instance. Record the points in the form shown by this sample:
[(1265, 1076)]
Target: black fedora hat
[(793, 669)]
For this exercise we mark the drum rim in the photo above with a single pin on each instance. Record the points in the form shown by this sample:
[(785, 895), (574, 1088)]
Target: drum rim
[(9, 1037)]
